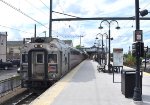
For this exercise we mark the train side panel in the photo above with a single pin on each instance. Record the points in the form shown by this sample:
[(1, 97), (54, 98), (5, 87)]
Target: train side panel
[(43, 63)]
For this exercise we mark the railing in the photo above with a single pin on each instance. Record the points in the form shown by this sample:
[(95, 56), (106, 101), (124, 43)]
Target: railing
[(9, 84)]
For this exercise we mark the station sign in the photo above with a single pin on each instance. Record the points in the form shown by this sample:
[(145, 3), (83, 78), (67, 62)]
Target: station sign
[(138, 36), (117, 56)]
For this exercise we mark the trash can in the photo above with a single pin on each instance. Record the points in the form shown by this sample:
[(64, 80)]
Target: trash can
[(128, 78)]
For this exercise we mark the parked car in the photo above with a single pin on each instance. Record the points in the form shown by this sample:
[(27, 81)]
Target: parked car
[(16, 62), (5, 65), (18, 70), (147, 60)]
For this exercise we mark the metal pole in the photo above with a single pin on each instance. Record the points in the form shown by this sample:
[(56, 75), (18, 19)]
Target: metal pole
[(50, 20), (6, 47), (106, 52), (45, 33), (137, 96), (145, 61), (102, 50), (99, 56), (35, 31), (109, 49), (80, 39)]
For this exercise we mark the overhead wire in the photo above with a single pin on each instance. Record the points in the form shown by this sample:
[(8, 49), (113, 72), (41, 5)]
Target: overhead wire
[(22, 13), (57, 11), (146, 6), (44, 4), (62, 14), (36, 7), (49, 10), (65, 14), (16, 29)]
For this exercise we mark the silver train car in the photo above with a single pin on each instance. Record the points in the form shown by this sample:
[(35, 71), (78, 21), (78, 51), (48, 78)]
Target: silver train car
[(46, 60)]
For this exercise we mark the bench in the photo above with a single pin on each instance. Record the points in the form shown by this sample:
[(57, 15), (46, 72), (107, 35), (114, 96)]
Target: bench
[(101, 67)]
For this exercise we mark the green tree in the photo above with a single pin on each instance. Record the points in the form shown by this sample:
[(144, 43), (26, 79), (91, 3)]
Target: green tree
[(130, 60), (148, 55), (78, 46)]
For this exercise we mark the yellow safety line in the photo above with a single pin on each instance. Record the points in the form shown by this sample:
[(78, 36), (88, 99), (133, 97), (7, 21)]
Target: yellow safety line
[(147, 74), (49, 96)]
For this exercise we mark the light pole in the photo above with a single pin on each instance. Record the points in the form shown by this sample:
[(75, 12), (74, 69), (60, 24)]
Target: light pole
[(109, 23), (97, 58), (102, 44), (145, 51), (45, 33)]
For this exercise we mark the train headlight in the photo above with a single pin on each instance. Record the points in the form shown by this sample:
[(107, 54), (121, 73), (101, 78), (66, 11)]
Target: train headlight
[(38, 45), (54, 75)]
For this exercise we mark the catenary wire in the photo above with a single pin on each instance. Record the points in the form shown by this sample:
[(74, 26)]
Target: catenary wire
[(22, 12), (36, 7), (16, 29)]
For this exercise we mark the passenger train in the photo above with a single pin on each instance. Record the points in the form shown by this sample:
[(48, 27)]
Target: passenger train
[(45, 60)]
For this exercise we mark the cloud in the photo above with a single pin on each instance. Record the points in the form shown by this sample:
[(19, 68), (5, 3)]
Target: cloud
[(73, 29)]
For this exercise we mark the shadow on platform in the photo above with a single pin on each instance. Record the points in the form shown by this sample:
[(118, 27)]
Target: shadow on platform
[(85, 74)]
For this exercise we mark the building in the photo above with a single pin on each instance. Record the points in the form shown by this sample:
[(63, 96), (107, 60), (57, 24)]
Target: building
[(3, 46), (13, 49), (68, 42)]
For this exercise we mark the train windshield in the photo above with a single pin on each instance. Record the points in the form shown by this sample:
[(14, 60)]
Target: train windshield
[(24, 58), (52, 58), (40, 58)]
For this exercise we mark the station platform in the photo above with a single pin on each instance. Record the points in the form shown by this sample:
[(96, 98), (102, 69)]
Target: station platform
[(85, 85)]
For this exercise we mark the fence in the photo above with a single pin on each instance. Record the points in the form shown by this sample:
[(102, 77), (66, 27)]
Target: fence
[(9, 84)]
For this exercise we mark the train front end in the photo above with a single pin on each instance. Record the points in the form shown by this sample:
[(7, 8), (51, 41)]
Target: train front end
[(36, 65), (34, 68)]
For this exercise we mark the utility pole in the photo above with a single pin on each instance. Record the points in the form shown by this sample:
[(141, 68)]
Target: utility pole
[(80, 39), (35, 31), (137, 96), (50, 20), (44, 33)]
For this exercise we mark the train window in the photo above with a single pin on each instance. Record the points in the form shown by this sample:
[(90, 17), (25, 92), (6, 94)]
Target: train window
[(52, 58), (24, 58), (74, 52), (39, 58), (65, 60)]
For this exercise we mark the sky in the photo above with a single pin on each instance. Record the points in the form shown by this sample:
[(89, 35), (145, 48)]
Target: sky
[(19, 21)]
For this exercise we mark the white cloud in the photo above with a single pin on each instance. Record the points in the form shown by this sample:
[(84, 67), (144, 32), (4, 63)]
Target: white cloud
[(71, 29)]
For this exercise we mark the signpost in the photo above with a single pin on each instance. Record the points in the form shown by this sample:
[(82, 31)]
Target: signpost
[(118, 57), (117, 60)]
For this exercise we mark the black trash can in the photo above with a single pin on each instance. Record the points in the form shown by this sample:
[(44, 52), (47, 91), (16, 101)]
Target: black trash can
[(128, 82)]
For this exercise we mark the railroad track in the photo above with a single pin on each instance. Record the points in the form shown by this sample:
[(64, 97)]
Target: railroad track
[(23, 99), (27, 99)]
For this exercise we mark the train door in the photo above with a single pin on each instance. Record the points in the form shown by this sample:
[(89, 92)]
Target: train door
[(37, 64), (68, 61), (60, 63)]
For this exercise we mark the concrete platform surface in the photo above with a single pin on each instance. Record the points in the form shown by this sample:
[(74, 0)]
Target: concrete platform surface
[(84, 85)]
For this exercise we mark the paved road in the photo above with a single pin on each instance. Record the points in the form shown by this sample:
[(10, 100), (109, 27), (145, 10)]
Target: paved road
[(147, 66), (5, 74)]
